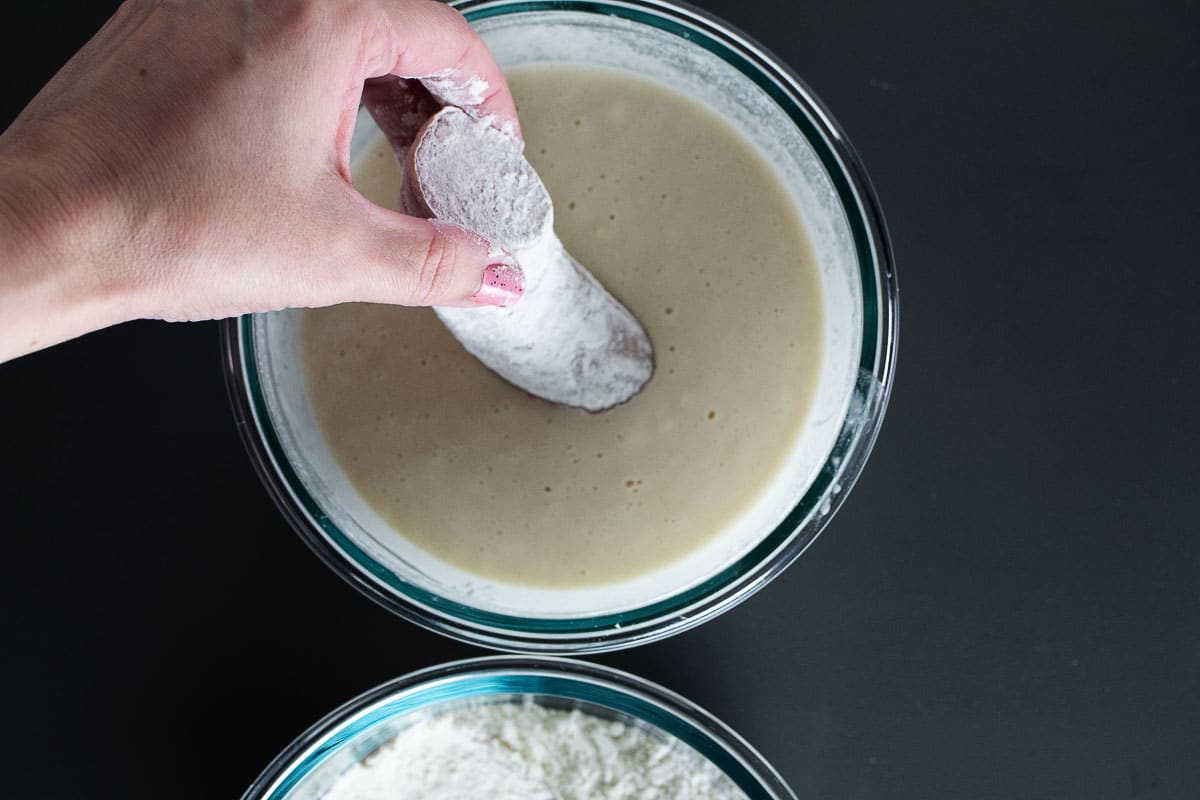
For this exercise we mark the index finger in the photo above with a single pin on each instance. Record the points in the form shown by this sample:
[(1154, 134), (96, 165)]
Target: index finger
[(434, 43)]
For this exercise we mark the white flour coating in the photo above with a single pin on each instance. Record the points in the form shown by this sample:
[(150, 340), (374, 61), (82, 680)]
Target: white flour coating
[(568, 340), (455, 89), (528, 752)]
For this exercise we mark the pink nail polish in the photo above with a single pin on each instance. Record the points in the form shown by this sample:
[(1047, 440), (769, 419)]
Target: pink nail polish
[(502, 285)]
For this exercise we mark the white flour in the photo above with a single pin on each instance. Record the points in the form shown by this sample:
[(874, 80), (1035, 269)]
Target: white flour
[(568, 340), (456, 89), (528, 752)]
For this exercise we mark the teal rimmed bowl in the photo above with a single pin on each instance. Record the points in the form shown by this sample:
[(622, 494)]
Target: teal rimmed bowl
[(706, 59), (312, 764)]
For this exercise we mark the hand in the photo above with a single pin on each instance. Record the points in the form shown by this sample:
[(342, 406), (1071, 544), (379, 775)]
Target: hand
[(192, 162)]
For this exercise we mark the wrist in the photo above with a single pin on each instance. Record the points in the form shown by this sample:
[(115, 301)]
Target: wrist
[(63, 267)]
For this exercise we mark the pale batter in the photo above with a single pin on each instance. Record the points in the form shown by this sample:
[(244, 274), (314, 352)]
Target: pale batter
[(681, 218)]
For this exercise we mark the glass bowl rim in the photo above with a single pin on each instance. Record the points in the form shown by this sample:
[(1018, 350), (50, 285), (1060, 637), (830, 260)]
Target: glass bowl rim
[(779, 548), (548, 675)]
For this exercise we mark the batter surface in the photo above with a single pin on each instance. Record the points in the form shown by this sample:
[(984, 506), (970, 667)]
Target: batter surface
[(682, 219)]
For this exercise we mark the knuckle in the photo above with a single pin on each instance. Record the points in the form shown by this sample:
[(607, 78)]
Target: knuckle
[(282, 21), (450, 22), (446, 14), (436, 268)]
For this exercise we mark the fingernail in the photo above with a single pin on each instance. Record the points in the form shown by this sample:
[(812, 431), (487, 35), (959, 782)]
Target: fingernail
[(503, 285)]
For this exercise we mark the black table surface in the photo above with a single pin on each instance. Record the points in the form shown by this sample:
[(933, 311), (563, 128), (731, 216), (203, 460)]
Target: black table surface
[(1008, 605)]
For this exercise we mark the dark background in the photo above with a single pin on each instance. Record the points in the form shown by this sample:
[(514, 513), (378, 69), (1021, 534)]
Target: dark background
[(1007, 606)]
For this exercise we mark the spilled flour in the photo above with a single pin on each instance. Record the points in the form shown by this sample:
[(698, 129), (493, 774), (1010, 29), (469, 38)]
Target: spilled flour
[(528, 752)]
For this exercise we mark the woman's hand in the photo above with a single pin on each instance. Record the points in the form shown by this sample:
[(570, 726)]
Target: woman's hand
[(192, 162)]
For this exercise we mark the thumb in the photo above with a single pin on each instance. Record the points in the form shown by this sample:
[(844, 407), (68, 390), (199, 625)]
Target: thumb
[(404, 260)]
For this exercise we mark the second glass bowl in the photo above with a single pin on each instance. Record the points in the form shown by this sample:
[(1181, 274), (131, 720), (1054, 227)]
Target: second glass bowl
[(313, 763)]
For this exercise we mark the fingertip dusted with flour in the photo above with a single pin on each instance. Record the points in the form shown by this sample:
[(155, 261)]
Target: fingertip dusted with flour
[(477, 271), (502, 285)]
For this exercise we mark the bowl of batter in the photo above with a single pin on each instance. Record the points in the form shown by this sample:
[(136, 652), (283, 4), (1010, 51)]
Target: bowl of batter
[(709, 190), (519, 727)]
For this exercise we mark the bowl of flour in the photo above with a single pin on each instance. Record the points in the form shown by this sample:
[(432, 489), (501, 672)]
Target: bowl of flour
[(708, 189), (528, 728)]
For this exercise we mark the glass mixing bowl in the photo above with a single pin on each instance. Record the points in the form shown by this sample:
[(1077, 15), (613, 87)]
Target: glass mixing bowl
[(709, 61), (313, 763)]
